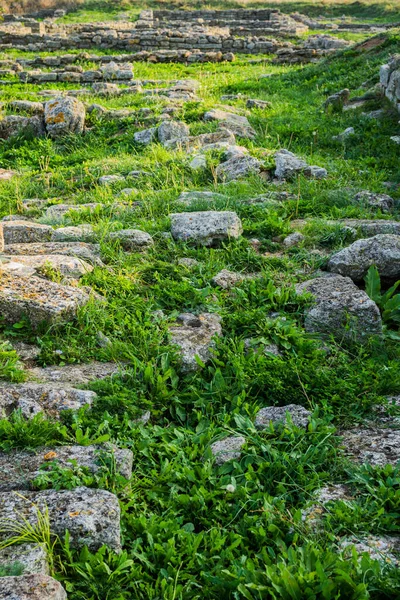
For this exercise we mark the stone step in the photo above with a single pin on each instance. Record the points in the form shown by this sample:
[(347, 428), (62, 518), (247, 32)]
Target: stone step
[(25, 232), (92, 517), (31, 587), (34, 398), (19, 468), (41, 300)]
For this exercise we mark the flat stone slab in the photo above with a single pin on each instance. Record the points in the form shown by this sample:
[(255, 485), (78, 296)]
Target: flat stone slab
[(377, 446), (194, 336), (227, 449), (205, 228), (34, 398), (79, 233), (18, 469), (25, 232), (57, 212), (369, 228), (76, 374), (31, 587), (41, 300), (299, 415), (83, 250), (69, 266), (91, 516), (32, 556)]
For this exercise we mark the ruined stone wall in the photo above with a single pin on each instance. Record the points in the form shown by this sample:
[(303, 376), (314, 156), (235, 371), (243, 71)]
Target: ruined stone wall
[(390, 80)]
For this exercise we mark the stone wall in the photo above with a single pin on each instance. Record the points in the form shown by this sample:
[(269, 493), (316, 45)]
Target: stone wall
[(390, 80)]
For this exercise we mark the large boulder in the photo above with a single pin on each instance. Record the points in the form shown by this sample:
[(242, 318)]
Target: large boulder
[(63, 116), (340, 309), (206, 228), (383, 251)]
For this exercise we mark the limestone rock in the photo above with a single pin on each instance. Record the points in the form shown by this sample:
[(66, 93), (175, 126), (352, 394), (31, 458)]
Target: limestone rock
[(299, 415), (16, 124), (25, 232), (34, 398), (63, 116), (132, 239), (198, 163), (205, 228), (189, 197), (194, 336), (80, 233), (288, 165), (31, 587), (146, 136), (106, 89), (383, 251), (91, 516), (190, 263), (227, 279), (87, 252), (382, 201), (340, 309), (377, 446), (69, 266), (32, 557), (254, 103), (293, 239), (78, 375), (238, 124), (57, 212), (20, 468), (33, 108), (369, 228), (210, 141), (383, 548), (227, 449), (172, 133), (338, 100), (41, 300), (237, 167)]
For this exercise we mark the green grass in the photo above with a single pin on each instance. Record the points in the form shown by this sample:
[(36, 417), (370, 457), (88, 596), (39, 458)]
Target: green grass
[(186, 534)]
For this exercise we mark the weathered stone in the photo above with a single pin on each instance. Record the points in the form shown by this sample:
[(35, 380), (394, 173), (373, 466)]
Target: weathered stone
[(106, 89), (227, 279), (57, 212), (40, 300), (13, 267), (190, 263), (293, 239), (33, 108), (172, 133), (254, 103), (146, 136), (377, 446), (299, 415), (370, 228), (383, 548), (88, 252), (63, 116), (238, 124), (340, 309), (15, 124), (237, 167), (382, 201), (189, 197), (348, 132), (20, 468), (76, 374), (194, 336), (110, 179), (32, 557), (210, 141), (205, 228), (313, 515), (132, 239), (337, 101), (91, 516), (227, 449), (25, 232), (31, 587), (28, 353), (34, 398), (80, 233), (198, 163), (383, 251), (7, 174), (69, 266), (288, 165)]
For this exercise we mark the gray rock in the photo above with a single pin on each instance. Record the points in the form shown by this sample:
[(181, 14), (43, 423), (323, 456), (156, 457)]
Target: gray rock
[(91, 516), (210, 141), (383, 251), (227, 279), (26, 352), (138, 174), (110, 179), (382, 548), (33, 558), (80, 233), (198, 163), (288, 165), (34, 398), (369, 228), (254, 103), (348, 132), (76, 374), (294, 239), (31, 587), (337, 100), (41, 300), (87, 252), (33, 108), (57, 212), (313, 515), (237, 167), (146, 136), (377, 446), (238, 124), (132, 239), (227, 449), (189, 197), (25, 232), (195, 337), (172, 133), (205, 228), (69, 266), (299, 415), (106, 89), (20, 468), (340, 309), (382, 201), (16, 124), (64, 116), (190, 263)]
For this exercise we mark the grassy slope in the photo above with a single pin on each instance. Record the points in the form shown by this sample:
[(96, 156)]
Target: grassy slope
[(185, 536)]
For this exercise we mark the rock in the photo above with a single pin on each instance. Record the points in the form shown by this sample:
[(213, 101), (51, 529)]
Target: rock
[(25, 232), (288, 165), (314, 514), (227, 279), (106, 89), (32, 556), (210, 141), (127, 192), (377, 446), (172, 133), (253, 103), (190, 263), (382, 201), (194, 336), (20, 468), (237, 167), (299, 415), (80, 233), (146, 136), (78, 375), (348, 132), (91, 516), (33, 108), (26, 352), (190, 197), (16, 268), (87, 252), (31, 587), (132, 239), (340, 309), (68, 266), (7, 174), (34, 398), (382, 548), (294, 239), (337, 101), (16, 124), (383, 251), (41, 300), (57, 212), (64, 116), (198, 163), (370, 228), (97, 110), (206, 228), (239, 125), (227, 449), (110, 179)]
